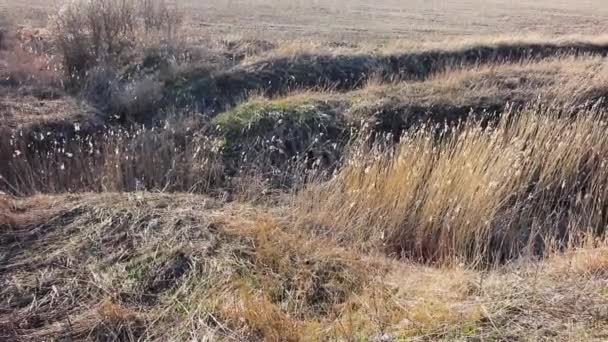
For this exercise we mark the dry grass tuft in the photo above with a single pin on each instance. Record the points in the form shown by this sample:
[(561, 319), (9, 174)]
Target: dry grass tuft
[(471, 194), (89, 266), (146, 261), (113, 160)]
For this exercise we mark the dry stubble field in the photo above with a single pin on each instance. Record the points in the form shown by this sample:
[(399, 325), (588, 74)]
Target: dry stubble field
[(303, 170), (367, 19)]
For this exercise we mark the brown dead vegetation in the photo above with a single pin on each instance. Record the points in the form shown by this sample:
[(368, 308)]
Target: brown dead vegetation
[(347, 191), (154, 267)]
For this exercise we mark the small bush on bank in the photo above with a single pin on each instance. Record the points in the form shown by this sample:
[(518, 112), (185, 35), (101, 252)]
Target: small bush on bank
[(134, 100), (88, 33)]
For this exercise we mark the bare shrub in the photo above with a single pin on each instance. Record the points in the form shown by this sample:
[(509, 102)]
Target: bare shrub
[(101, 87), (90, 32)]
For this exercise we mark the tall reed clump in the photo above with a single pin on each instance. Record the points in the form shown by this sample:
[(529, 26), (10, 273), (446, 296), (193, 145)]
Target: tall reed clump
[(111, 160), (472, 194)]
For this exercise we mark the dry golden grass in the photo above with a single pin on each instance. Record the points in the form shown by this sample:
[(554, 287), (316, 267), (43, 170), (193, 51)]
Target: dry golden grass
[(156, 267), (172, 266), (567, 81), (436, 225), (195, 261), (471, 194), (293, 48)]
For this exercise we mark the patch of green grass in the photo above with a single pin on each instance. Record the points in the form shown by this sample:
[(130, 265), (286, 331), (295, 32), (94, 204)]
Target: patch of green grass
[(261, 116), (139, 269)]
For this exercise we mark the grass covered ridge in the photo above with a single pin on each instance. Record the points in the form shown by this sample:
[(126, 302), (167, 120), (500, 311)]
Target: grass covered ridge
[(175, 266)]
